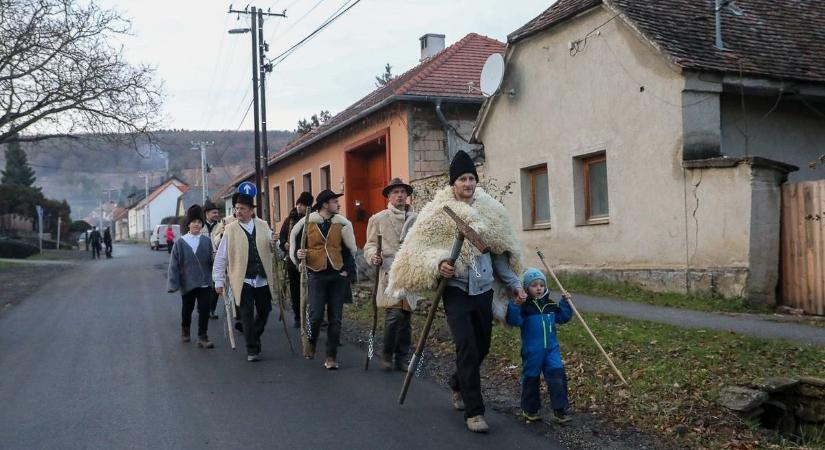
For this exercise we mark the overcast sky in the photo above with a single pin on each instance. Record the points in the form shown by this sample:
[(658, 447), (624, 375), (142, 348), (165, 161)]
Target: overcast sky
[(207, 72)]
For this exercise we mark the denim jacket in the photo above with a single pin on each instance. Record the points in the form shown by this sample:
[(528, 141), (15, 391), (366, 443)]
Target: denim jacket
[(480, 280)]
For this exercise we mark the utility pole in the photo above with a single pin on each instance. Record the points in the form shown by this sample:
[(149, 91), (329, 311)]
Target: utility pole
[(258, 99), (265, 68), (147, 224), (201, 145)]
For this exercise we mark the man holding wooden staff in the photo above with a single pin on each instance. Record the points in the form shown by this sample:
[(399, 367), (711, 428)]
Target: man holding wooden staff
[(391, 224), (478, 283)]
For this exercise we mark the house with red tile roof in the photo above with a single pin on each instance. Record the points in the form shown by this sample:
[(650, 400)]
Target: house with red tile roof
[(649, 150), (408, 128)]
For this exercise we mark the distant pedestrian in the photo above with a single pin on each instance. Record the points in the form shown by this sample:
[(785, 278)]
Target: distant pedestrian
[(86, 239), (244, 261), (190, 271), (107, 241), (95, 242), (304, 201), (537, 317), (212, 214), (170, 239)]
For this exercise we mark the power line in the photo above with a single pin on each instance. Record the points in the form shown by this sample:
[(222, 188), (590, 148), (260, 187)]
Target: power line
[(340, 12)]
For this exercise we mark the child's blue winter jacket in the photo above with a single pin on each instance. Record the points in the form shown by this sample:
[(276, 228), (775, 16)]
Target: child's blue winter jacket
[(537, 320)]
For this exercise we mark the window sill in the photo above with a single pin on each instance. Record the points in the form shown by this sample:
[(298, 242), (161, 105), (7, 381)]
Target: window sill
[(591, 222), (538, 226)]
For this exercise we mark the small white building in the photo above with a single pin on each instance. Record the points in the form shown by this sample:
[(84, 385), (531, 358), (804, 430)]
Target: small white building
[(162, 202)]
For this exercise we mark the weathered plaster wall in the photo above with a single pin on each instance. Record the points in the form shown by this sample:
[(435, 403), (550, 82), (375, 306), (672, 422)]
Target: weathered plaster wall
[(427, 137), (621, 96), (787, 131)]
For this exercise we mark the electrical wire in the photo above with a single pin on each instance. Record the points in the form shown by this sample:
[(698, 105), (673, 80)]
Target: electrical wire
[(348, 5)]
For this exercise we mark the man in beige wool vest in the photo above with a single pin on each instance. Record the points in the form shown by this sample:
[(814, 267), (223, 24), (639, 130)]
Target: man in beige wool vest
[(392, 224), (245, 254)]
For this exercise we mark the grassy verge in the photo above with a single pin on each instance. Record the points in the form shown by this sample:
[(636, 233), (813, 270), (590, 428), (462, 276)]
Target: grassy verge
[(583, 285), (675, 375), (8, 265)]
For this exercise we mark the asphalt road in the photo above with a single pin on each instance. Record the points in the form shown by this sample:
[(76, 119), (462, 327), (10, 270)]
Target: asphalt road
[(93, 360)]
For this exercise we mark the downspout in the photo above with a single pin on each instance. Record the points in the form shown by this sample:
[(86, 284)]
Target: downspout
[(440, 114)]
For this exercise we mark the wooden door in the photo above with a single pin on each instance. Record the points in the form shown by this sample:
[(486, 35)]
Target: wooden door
[(803, 246), (366, 175)]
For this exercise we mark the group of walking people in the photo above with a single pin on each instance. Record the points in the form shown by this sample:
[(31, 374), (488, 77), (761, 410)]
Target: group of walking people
[(411, 254), (97, 242)]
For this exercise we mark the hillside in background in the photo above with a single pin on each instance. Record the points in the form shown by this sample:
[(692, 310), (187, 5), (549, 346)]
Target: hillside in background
[(85, 171)]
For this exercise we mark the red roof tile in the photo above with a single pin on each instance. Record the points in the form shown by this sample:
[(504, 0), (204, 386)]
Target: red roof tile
[(447, 74)]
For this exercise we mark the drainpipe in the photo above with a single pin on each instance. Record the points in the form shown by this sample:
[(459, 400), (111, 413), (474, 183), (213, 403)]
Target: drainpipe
[(446, 126)]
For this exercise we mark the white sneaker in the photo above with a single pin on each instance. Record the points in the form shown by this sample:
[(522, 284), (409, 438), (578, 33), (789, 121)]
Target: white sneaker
[(253, 358), (477, 424)]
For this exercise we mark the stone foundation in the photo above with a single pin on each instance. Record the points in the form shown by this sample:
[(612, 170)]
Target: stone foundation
[(782, 404), (723, 282)]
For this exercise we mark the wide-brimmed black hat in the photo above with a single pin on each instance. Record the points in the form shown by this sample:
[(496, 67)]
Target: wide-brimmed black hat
[(461, 164), (195, 212), (209, 206), (394, 183), (243, 199), (323, 197), (305, 199)]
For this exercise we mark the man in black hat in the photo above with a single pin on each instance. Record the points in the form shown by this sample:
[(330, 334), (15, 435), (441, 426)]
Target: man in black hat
[(304, 202), (212, 214), (245, 255), (391, 225), (329, 258), (476, 281)]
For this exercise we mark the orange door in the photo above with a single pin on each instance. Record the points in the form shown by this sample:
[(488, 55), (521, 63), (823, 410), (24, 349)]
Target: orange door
[(366, 175)]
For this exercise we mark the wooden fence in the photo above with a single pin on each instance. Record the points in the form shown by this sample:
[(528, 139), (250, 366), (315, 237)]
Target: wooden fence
[(15, 223), (803, 246)]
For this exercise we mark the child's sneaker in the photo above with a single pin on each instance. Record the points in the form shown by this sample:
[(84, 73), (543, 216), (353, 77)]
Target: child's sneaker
[(531, 417), (560, 417)]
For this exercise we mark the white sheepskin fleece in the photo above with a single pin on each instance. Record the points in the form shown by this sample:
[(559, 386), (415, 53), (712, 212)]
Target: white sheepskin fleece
[(415, 269)]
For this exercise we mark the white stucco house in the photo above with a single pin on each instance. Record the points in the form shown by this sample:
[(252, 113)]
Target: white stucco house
[(162, 202), (646, 153)]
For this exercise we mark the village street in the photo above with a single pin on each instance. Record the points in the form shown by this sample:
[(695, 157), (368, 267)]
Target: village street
[(94, 360)]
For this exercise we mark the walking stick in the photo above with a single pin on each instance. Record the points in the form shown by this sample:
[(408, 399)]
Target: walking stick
[(280, 303), (463, 231), (229, 313), (305, 328), (581, 319), (371, 346)]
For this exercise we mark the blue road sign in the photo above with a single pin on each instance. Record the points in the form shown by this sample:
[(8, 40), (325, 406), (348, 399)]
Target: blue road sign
[(248, 188)]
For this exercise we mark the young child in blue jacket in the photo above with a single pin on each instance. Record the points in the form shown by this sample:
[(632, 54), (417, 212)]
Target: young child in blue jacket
[(537, 317)]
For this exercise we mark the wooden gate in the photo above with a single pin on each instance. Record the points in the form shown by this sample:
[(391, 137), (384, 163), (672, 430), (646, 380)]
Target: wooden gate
[(803, 246)]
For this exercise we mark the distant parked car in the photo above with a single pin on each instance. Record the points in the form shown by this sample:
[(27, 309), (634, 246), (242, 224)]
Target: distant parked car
[(158, 239)]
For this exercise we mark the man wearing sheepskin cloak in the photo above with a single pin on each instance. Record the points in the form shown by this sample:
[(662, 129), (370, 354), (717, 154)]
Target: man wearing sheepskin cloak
[(474, 280), (329, 256)]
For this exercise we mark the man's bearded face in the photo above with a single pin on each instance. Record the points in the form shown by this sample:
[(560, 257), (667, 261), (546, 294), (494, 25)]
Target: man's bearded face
[(464, 186)]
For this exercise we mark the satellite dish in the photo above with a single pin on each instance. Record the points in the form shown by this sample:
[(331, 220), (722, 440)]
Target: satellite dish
[(492, 75)]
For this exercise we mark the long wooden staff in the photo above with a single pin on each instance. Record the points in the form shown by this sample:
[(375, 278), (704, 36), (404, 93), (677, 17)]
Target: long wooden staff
[(371, 345), (581, 319), (305, 328), (419, 349), (281, 301), (228, 308)]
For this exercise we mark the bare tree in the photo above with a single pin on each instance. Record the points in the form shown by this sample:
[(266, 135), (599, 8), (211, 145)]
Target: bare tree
[(60, 75)]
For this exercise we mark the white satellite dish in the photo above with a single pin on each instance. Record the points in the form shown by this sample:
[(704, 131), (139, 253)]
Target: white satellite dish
[(492, 75)]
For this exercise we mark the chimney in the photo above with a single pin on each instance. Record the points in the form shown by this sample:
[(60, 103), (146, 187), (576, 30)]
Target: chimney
[(430, 45)]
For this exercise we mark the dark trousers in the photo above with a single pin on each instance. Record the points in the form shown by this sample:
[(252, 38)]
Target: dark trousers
[(169, 245), (95, 251), (108, 249), (254, 300), (294, 290), (470, 318), (327, 290), (201, 296), (397, 335), (213, 302)]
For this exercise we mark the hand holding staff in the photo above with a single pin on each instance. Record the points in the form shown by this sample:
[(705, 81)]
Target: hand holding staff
[(581, 319)]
